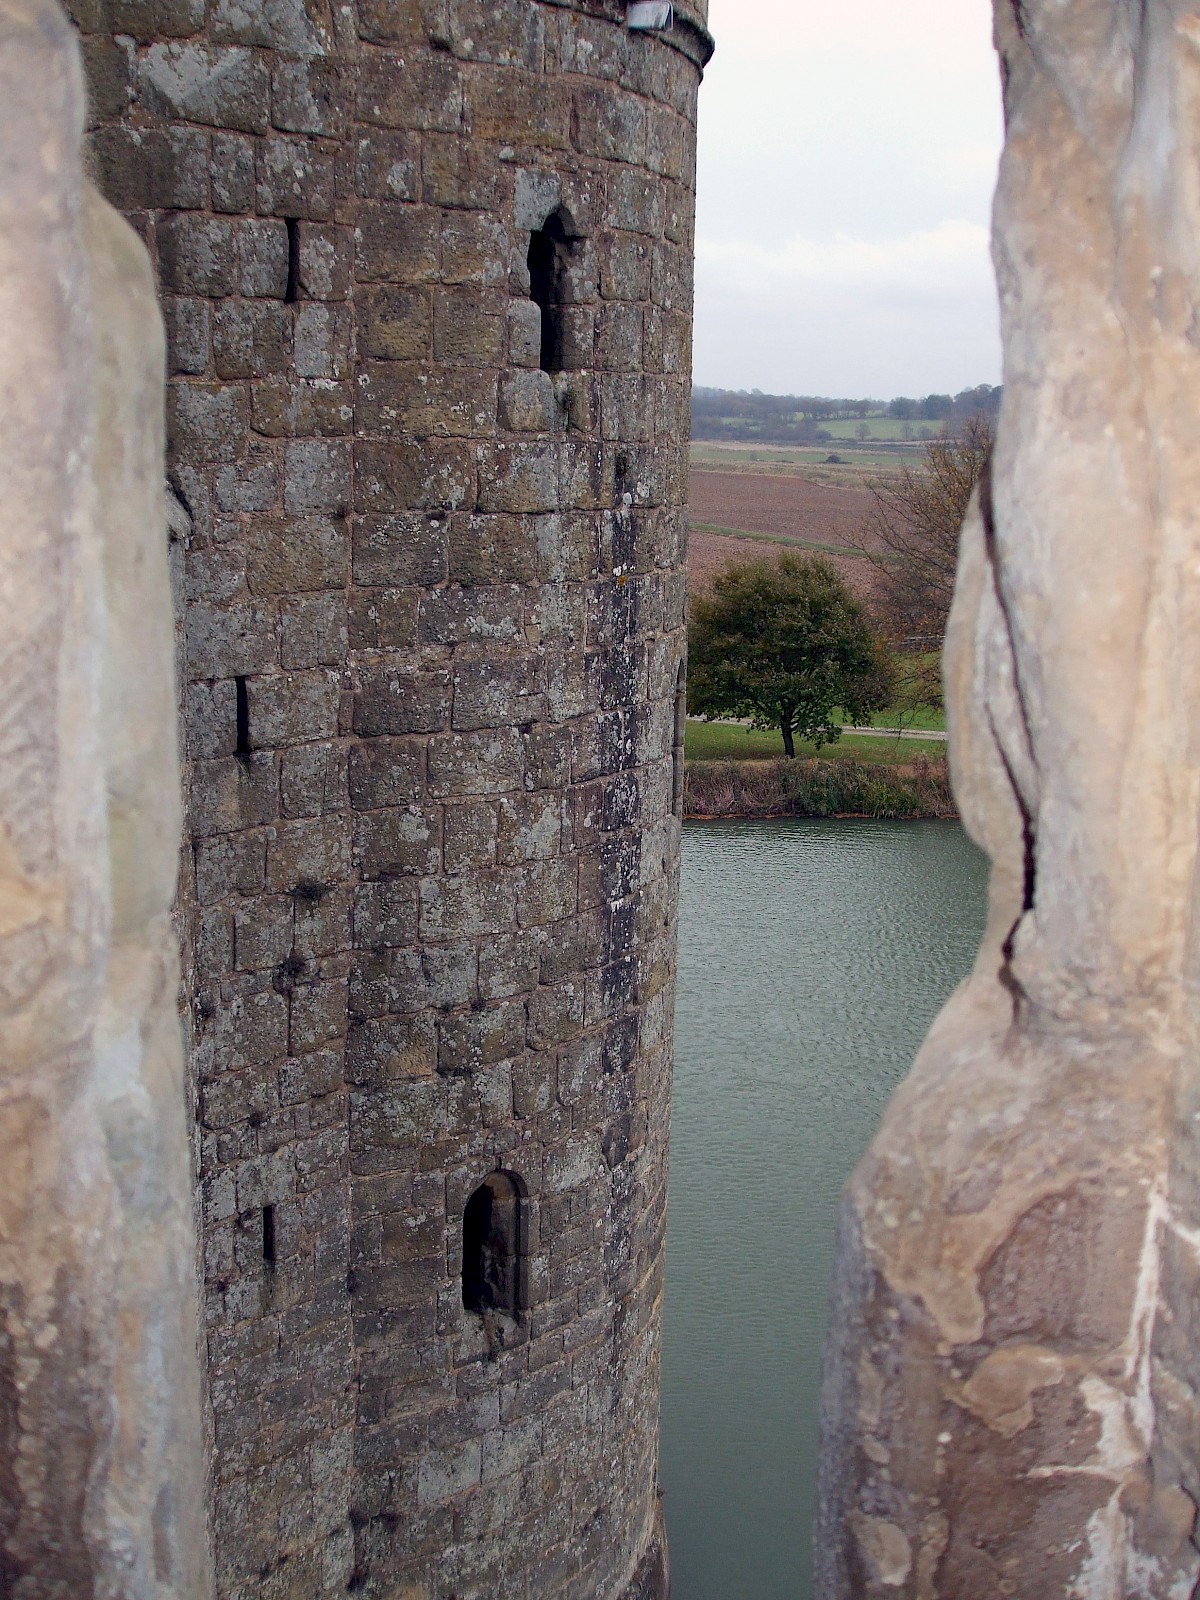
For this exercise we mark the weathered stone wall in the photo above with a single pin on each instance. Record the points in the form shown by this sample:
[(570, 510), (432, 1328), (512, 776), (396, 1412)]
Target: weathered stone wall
[(1013, 1379), (102, 1489), (433, 601)]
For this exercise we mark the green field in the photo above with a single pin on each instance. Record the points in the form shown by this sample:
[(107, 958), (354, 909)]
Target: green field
[(881, 428), (808, 461), (729, 741)]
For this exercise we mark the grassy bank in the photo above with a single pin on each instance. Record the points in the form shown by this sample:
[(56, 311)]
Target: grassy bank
[(729, 741), (816, 788)]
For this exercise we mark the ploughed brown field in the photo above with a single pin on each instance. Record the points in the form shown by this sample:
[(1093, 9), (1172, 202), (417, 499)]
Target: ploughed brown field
[(781, 511)]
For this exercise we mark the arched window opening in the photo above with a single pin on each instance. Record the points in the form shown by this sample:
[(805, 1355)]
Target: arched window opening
[(549, 257), (493, 1247)]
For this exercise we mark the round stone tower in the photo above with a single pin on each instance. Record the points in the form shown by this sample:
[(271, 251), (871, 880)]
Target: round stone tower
[(426, 268)]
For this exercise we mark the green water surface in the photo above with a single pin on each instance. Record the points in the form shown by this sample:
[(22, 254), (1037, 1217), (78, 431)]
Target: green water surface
[(813, 956)]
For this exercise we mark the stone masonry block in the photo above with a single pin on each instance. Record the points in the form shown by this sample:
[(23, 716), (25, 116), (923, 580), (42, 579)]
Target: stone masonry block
[(304, 407), (524, 334), (468, 905), (504, 104), (231, 642), (490, 762), (398, 243), (295, 178), (316, 476), (419, 92), (312, 783), (476, 248), (470, 835), (263, 255), (461, 615), (529, 403), (153, 169), (417, 400), (308, 852), (481, 1038), (321, 341), (386, 772), (396, 323), (188, 324), (232, 794), (311, 95), (207, 422), (251, 338), (232, 172), (401, 549), (496, 694), (493, 550), (387, 166), (394, 701), (219, 88), (394, 476), (290, 26), (326, 254), (383, 619), (385, 914), (263, 933), (197, 255), (293, 708), (519, 477), (313, 631), (399, 842)]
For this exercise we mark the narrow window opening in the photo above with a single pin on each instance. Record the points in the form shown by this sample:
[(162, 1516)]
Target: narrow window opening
[(292, 292), (268, 1235), (492, 1247), (679, 773), (242, 746), (549, 256)]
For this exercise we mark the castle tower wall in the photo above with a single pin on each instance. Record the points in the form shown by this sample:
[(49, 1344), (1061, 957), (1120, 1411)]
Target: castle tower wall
[(432, 614)]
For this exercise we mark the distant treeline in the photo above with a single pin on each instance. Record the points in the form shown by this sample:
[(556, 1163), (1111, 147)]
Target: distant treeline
[(799, 419)]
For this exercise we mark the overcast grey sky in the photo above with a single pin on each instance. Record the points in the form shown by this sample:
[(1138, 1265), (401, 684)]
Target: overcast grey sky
[(848, 152)]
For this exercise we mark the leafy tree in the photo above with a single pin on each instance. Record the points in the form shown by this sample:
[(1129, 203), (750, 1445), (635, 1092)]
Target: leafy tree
[(785, 645)]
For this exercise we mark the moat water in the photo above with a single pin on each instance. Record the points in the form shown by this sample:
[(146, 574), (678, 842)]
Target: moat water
[(813, 957)]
